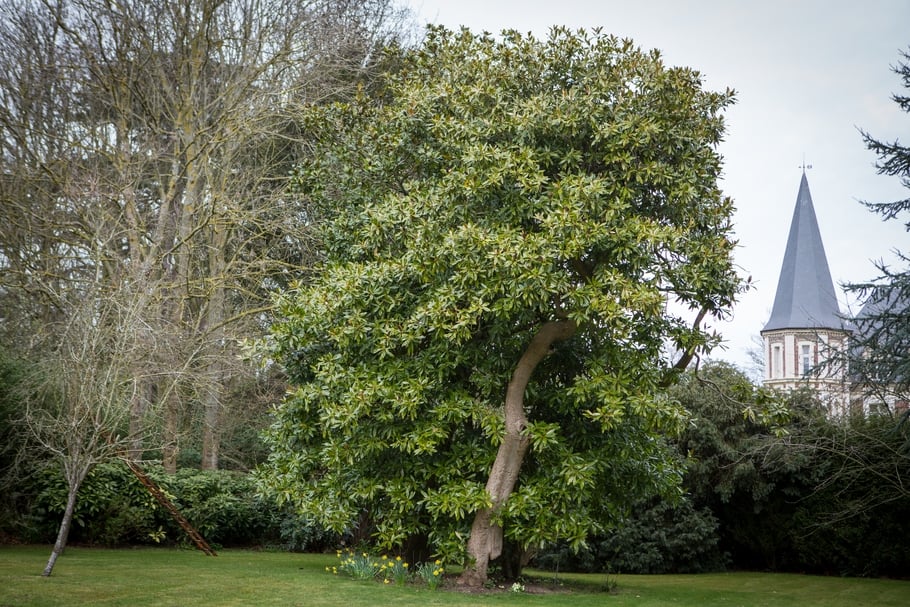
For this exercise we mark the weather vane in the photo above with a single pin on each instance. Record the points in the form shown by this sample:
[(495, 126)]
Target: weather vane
[(805, 166)]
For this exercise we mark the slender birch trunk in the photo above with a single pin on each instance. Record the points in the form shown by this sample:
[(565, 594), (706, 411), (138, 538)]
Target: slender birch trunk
[(74, 481)]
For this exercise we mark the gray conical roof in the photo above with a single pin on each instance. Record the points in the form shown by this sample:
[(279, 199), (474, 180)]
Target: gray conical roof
[(805, 292)]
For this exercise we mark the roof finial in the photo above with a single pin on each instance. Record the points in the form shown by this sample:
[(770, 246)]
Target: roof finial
[(805, 166)]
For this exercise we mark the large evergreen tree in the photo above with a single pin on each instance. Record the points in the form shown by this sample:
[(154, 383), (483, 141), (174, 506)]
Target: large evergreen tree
[(482, 358)]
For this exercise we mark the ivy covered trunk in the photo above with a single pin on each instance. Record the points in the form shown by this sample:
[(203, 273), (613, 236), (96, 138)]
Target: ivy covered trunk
[(486, 540)]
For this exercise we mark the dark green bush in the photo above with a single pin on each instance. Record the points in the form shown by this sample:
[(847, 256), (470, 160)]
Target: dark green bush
[(299, 534), (222, 505), (659, 537), (855, 521), (666, 538), (827, 496), (114, 508)]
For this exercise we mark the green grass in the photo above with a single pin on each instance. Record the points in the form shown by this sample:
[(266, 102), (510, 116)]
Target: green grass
[(165, 577)]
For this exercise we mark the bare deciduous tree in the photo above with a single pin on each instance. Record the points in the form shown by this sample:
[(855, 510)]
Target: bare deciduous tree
[(77, 397), (145, 147)]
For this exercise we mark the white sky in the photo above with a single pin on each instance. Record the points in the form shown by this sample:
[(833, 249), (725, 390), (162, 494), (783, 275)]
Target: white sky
[(808, 74)]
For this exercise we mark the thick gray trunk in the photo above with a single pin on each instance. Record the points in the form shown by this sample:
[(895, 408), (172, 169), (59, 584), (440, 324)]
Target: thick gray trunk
[(485, 542), (211, 428), (215, 315), (176, 301)]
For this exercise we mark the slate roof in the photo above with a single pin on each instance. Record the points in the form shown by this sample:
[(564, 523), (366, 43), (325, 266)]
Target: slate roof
[(805, 296), (882, 305)]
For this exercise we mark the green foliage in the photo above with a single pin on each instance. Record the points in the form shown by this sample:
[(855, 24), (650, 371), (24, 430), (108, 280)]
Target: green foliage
[(300, 534), (665, 538), (801, 492), (431, 573), (827, 495), (853, 522), (658, 537), (359, 565), (11, 372), (730, 416), (497, 184), (223, 506), (113, 508), (741, 469)]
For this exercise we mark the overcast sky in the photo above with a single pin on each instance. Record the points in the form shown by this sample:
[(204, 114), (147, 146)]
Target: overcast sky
[(808, 75)]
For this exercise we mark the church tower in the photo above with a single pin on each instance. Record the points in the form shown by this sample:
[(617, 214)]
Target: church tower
[(806, 328)]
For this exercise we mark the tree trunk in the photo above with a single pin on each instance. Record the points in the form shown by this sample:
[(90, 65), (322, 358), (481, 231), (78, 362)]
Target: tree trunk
[(64, 531), (211, 423), (137, 413), (176, 302), (214, 322), (485, 542), (170, 446), (139, 403)]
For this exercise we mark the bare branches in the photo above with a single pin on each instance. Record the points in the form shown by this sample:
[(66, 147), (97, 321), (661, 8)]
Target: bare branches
[(145, 149)]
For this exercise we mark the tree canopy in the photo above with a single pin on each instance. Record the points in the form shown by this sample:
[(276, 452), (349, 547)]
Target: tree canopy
[(482, 354)]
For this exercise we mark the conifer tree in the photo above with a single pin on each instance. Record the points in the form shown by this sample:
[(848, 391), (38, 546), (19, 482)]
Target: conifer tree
[(882, 334)]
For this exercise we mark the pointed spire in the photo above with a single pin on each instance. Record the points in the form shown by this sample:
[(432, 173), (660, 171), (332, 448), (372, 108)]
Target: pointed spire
[(805, 296)]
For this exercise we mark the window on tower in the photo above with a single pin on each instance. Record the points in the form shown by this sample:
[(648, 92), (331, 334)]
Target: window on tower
[(806, 359)]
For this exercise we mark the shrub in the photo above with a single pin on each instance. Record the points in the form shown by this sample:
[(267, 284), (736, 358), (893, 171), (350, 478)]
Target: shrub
[(659, 537), (828, 496), (299, 533), (222, 505), (114, 509), (665, 538), (14, 490)]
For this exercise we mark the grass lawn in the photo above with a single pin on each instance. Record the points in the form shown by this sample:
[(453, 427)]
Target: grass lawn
[(159, 576)]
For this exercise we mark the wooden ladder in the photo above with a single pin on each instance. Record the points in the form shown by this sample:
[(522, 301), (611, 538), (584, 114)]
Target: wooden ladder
[(162, 498)]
